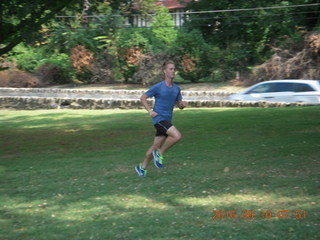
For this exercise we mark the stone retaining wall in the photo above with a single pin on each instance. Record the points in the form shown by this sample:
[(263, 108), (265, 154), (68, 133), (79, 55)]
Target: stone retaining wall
[(54, 98), (33, 103), (102, 94)]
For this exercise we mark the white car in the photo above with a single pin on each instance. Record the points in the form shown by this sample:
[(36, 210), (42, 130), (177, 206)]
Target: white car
[(304, 91)]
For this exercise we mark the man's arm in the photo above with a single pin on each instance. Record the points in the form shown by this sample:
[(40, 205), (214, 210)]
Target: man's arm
[(144, 102)]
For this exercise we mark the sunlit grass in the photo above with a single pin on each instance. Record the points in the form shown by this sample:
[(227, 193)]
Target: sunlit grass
[(70, 175)]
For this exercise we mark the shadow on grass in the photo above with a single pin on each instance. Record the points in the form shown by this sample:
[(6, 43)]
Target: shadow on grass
[(116, 204), (88, 189)]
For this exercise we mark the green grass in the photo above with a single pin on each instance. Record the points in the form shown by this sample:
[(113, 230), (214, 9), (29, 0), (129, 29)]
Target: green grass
[(69, 174)]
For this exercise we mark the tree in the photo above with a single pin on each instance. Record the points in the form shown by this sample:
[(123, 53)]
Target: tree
[(243, 33), (253, 30), (22, 19), (163, 27)]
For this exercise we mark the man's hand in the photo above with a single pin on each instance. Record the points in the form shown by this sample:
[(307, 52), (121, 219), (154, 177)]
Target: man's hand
[(153, 114), (144, 101), (182, 104)]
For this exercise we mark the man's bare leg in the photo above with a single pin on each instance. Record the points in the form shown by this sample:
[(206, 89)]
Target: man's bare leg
[(158, 141), (174, 136)]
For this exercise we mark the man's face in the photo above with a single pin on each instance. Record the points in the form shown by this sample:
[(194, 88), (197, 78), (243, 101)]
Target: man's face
[(169, 71)]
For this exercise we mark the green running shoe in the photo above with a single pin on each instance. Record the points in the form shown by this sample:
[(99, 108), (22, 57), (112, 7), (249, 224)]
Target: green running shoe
[(157, 159), (141, 171)]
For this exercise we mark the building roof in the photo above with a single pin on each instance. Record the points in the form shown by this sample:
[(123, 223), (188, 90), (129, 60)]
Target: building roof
[(173, 4)]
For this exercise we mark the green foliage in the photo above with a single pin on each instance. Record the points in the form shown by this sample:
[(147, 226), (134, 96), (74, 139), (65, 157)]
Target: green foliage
[(158, 38), (94, 34), (28, 58), (210, 46), (191, 48), (115, 53), (224, 63), (131, 37), (70, 32), (22, 19), (189, 42), (253, 30), (31, 58), (66, 37), (163, 27), (62, 61)]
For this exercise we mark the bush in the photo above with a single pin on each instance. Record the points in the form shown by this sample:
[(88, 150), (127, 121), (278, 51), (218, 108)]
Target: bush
[(49, 73), (140, 49), (132, 44), (106, 68), (17, 79), (150, 68), (190, 49), (298, 60), (30, 59), (163, 30), (130, 37)]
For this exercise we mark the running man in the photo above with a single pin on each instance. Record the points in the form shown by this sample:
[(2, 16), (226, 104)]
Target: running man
[(166, 95)]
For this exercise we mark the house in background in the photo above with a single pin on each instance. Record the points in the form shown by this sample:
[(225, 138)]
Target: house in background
[(175, 7)]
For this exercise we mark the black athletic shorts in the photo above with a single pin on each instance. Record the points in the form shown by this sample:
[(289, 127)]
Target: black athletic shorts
[(162, 128)]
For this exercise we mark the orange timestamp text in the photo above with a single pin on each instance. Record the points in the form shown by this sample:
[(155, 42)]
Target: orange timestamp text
[(250, 214)]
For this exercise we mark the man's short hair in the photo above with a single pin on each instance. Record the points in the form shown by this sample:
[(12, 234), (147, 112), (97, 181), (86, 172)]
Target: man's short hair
[(164, 66), (166, 63)]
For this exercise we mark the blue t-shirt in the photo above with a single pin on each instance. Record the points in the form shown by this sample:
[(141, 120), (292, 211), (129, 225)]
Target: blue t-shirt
[(165, 99)]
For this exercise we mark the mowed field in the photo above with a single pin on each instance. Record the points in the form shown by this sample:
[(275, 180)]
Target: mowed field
[(238, 173)]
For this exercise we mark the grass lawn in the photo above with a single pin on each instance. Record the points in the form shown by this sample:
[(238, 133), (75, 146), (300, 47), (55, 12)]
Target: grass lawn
[(242, 173)]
